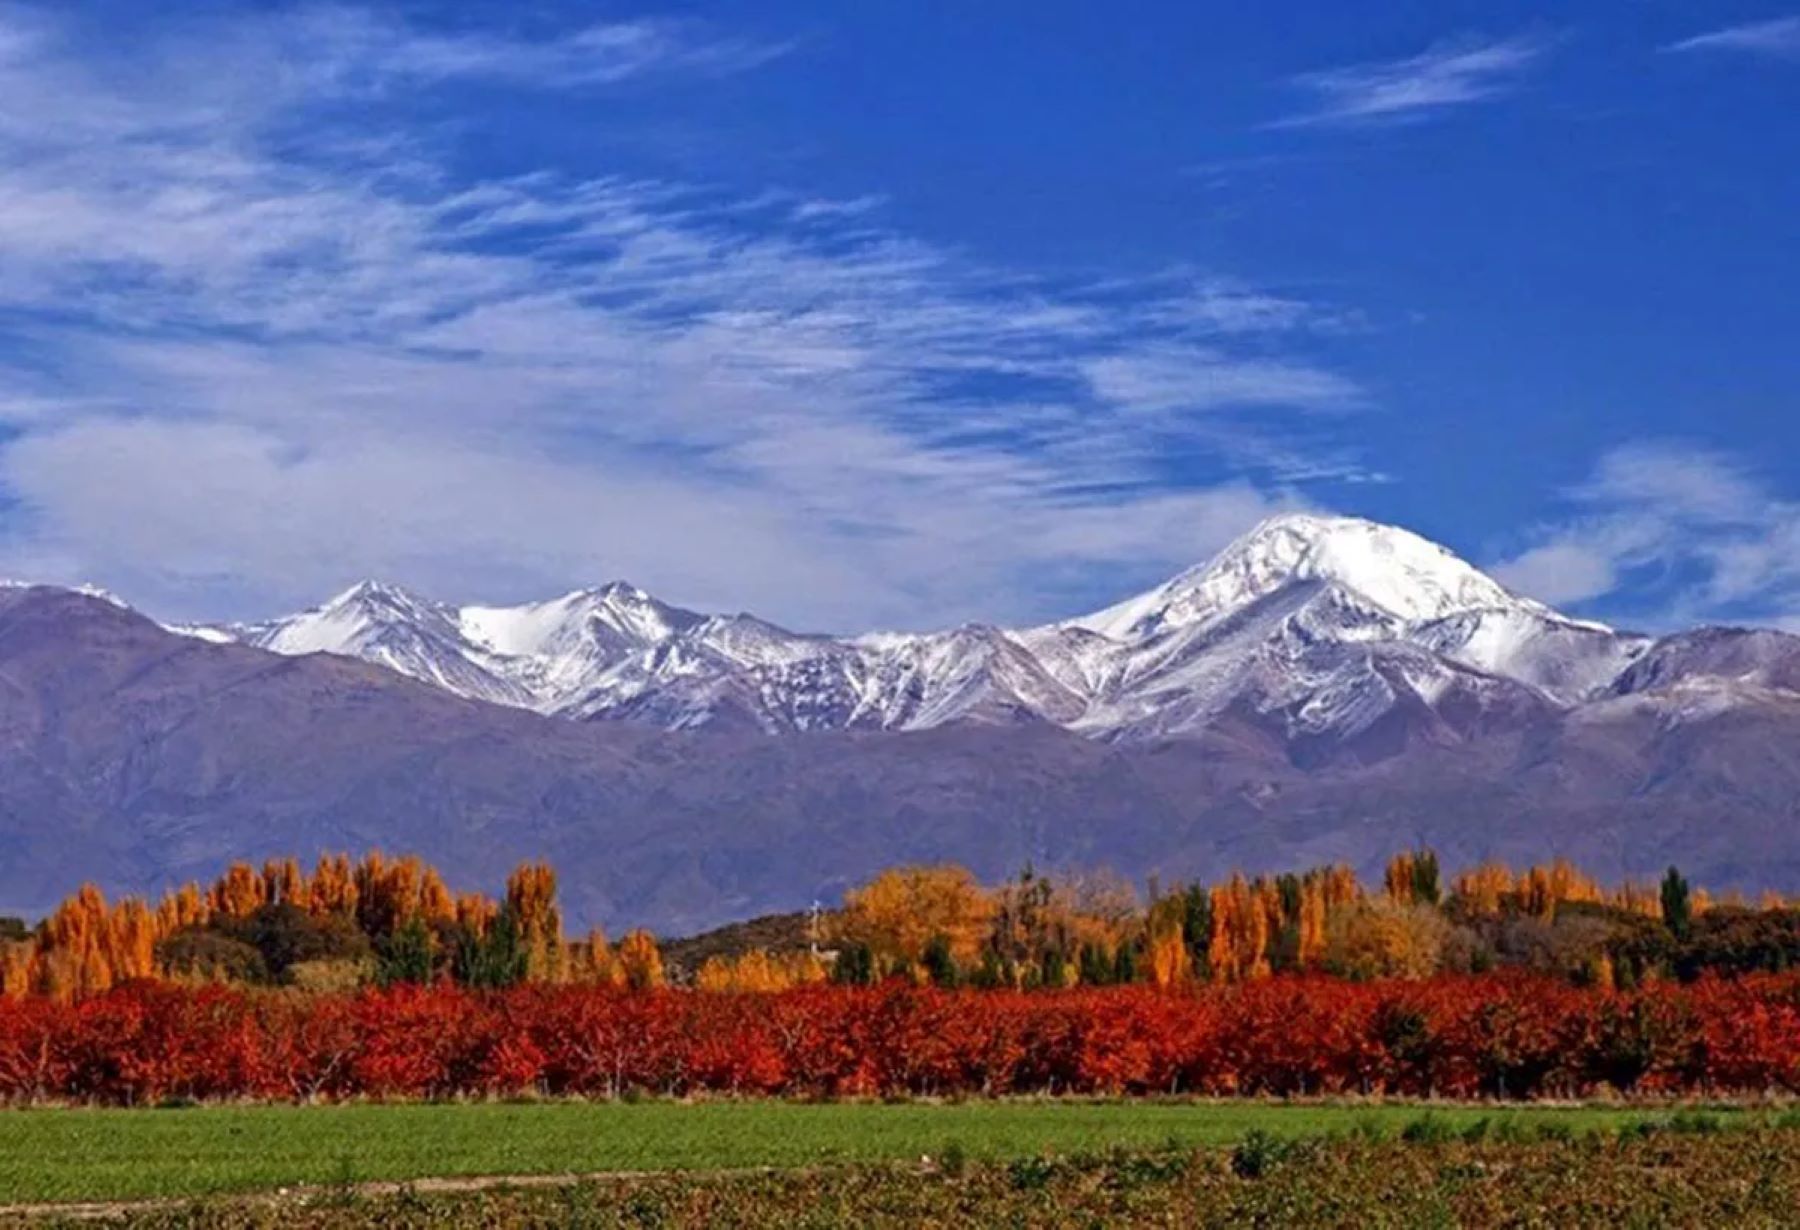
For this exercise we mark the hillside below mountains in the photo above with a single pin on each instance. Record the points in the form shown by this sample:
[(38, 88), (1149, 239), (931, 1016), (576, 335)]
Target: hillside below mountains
[(1324, 689)]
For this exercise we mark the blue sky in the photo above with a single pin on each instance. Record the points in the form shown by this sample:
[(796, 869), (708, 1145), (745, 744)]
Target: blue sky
[(896, 314)]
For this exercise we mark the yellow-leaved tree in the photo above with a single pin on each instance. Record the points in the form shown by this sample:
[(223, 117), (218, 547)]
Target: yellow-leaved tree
[(903, 910)]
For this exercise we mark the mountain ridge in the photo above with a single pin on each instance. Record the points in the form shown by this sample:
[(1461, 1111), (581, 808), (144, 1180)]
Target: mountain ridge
[(1332, 635), (138, 758), (1326, 623)]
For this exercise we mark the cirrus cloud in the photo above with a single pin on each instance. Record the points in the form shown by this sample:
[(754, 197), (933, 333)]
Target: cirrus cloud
[(1443, 76), (254, 345)]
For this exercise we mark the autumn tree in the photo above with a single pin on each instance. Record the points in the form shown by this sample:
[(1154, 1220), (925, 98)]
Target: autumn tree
[(132, 937), (592, 962), (1483, 890), (74, 958), (1238, 950), (531, 904), (476, 912), (17, 968), (1397, 879), (436, 904), (185, 907), (758, 971), (1167, 955), (1383, 938), (899, 912), (1309, 948), (1645, 900), (1412, 878), (641, 961), (238, 893), (387, 894), (333, 886), (284, 884)]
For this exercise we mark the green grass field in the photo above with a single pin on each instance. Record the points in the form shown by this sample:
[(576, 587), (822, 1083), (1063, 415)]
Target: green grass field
[(51, 1155)]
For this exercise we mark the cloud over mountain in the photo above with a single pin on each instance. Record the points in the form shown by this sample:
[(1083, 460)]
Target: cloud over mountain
[(266, 331)]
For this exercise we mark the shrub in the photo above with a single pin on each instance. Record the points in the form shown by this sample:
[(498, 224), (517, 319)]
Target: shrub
[(199, 955), (329, 977), (1257, 1154), (287, 936), (1427, 1130)]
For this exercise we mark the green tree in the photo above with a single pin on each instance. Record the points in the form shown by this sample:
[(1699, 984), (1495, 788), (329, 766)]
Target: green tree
[(939, 963), (1125, 964), (1196, 923), (1677, 904), (497, 959), (408, 955), (1096, 969), (287, 936), (1427, 886), (991, 973), (855, 965)]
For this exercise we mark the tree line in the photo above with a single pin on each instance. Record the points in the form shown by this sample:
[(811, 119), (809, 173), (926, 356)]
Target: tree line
[(346, 923), (940, 925)]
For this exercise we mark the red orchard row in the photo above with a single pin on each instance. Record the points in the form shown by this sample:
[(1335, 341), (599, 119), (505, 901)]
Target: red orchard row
[(1484, 1036)]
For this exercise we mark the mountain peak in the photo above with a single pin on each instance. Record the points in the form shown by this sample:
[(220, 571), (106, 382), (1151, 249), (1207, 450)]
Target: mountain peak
[(1396, 570), (372, 593)]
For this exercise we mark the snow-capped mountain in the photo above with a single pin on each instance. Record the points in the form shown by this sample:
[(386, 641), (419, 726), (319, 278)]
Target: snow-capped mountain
[(1309, 628), (390, 627), (1393, 571)]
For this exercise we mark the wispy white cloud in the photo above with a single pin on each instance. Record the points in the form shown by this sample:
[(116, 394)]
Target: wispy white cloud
[(251, 348), (1778, 37), (1447, 75), (345, 48), (1694, 533), (824, 207), (1193, 378)]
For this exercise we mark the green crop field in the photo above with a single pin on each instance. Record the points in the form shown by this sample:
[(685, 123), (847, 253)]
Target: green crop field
[(53, 1155)]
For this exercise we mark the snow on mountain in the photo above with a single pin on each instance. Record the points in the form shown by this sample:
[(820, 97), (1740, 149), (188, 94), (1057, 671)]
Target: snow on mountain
[(1399, 572), (973, 673), (391, 627), (559, 651), (1310, 627), (1751, 657), (1569, 661), (1319, 626)]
